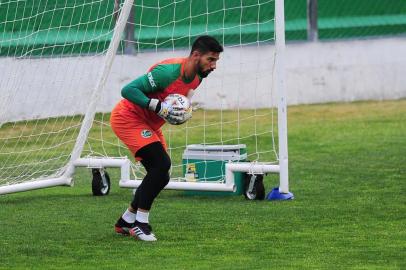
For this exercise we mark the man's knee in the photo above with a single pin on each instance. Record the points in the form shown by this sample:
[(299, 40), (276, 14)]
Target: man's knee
[(165, 166), (154, 156), (165, 180)]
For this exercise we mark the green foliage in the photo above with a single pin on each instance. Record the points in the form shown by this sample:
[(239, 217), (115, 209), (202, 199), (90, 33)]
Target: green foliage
[(347, 168)]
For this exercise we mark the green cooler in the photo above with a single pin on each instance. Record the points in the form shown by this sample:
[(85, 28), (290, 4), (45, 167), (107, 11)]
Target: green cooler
[(207, 163)]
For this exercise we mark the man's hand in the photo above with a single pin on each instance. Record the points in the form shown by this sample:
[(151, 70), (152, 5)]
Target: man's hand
[(169, 112)]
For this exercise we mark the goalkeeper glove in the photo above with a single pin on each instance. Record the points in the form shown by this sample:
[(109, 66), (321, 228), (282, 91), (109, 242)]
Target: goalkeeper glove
[(169, 112)]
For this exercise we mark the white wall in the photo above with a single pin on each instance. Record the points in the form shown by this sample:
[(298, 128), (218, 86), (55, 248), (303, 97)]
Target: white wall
[(346, 71), (315, 73)]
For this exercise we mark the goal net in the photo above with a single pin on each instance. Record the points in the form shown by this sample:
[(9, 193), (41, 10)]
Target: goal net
[(63, 64)]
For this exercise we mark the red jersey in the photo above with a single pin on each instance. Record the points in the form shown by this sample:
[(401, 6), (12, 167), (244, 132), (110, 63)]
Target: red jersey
[(164, 78)]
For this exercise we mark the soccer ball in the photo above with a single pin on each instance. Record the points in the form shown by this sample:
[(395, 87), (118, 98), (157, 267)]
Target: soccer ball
[(182, 103)]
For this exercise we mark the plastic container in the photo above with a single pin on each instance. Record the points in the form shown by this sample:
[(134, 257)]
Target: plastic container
[(207, 163)]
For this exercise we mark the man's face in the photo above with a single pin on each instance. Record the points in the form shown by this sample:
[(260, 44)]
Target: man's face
[(207, 63)]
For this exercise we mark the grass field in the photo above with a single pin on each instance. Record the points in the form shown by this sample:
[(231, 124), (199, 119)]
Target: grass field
[(348, 174)]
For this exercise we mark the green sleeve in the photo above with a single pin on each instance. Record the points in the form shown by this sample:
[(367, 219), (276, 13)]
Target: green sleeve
[(156, 80), (135, 92)]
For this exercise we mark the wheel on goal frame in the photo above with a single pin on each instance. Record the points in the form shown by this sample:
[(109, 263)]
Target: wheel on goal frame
[(100, 182), (254, 188)]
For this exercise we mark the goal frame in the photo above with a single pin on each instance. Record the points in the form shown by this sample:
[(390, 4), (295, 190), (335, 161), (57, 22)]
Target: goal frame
[(124, 164)]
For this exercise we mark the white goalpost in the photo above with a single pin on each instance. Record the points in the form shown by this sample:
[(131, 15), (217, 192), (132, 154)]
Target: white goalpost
[(64, 65), (63, 176)]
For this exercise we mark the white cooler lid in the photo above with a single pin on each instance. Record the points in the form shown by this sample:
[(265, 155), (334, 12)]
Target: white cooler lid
[(215, 152)]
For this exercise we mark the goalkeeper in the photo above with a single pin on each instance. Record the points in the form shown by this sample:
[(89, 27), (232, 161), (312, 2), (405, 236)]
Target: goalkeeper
[(137, 119)]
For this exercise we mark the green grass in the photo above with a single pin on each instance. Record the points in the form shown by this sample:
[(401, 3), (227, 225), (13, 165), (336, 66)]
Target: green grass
[(347, 171)]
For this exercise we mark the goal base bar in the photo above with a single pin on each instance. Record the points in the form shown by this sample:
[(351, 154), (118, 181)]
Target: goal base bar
[(37, 184), (126, 182), (228, 185), (195, 186)]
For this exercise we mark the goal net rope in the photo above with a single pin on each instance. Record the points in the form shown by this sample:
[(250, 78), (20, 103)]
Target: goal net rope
[(52, 53)]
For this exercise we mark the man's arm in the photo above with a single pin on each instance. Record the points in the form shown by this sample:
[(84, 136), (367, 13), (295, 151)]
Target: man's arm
[(135, 92), (156, 80)]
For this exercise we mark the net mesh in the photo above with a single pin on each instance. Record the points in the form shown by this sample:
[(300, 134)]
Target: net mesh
[(51, 52)]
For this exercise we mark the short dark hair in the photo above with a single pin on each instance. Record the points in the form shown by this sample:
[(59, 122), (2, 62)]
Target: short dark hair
[(205, 44)]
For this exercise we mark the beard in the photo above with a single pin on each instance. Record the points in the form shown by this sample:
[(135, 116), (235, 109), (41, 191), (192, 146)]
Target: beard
[(203, 73)]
